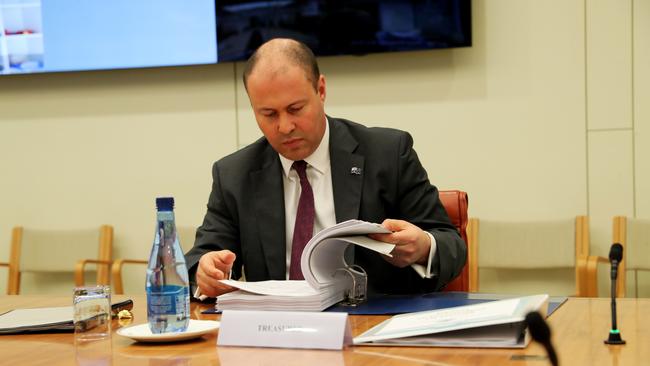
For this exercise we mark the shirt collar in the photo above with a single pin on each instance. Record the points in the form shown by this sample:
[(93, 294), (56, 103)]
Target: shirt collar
[(319, 159)]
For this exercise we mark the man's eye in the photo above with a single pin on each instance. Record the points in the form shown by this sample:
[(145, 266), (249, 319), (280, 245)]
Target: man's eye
[(295, 109), (268, 114)]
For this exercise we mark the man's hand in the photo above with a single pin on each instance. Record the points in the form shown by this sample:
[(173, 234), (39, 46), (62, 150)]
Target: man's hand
[(214, 266), (412, 245)]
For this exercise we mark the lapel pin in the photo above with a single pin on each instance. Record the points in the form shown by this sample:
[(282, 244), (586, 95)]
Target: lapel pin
[(355, 170)]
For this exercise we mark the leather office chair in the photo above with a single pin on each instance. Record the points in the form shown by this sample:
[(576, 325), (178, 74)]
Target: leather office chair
[(55, 251), (456, 203), (186, 236), (518, 247)]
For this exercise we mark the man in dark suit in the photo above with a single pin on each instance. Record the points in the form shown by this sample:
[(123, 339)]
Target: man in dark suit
[(352, 172)]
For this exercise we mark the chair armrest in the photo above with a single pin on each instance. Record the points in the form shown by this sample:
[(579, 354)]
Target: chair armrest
[(118, 287), (80, 267), (588, 275)]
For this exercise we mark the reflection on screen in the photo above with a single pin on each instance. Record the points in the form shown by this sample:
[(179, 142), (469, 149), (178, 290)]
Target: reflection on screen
[(337, 27), (66, 35)]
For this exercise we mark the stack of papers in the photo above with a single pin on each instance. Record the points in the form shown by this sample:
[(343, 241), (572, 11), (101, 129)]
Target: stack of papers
[(322, 257), (279, 295)]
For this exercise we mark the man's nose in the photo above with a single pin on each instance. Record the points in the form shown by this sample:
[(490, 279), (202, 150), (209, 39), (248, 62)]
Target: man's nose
[(286, 126)]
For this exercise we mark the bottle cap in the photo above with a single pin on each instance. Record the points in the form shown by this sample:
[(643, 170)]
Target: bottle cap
[(165, 203)]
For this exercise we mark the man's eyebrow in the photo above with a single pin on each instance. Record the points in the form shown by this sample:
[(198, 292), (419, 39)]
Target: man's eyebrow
[(302, 101)]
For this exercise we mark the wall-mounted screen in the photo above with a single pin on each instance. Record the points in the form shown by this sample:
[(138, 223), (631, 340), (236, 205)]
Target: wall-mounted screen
[(71, 35), (343, 27), (67, 35)]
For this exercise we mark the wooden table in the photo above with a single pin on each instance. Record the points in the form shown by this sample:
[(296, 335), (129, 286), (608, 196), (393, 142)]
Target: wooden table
[(579, 328)]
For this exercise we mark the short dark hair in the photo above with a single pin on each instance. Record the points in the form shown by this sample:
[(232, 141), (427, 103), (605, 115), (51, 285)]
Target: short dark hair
[(297, 53)]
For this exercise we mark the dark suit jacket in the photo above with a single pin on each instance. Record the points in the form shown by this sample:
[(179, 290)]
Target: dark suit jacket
[(246, 207)]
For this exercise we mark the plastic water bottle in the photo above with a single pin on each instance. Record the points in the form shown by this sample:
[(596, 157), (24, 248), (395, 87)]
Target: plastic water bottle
[(168, 294)]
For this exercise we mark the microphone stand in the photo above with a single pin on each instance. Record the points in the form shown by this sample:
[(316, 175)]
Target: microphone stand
[(614, 333)]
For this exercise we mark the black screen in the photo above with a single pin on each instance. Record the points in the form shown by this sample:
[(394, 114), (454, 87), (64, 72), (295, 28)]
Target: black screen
[(343, 27)]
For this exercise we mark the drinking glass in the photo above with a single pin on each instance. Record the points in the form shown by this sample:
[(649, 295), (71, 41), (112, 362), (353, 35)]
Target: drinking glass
[(92, 312)]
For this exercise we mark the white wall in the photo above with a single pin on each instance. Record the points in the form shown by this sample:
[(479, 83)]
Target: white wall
[(83, 149), (542, 118)]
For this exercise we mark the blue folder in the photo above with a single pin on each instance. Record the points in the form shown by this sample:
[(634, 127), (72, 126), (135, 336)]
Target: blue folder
[(400, 304)]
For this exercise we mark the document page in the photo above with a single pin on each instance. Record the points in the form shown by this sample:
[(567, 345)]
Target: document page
[(274, 288), (324, 253), (279, 295), (478, 320), (368, 243), (461, 316)]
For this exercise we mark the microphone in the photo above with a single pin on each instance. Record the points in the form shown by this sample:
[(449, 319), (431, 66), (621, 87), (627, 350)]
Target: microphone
[(615, 257), (541, 333)]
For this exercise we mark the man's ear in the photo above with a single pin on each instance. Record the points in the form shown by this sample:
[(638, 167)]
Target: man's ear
[(321, 88)]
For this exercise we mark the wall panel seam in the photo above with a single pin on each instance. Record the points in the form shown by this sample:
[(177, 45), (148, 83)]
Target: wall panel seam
[(633, 105), (586, 91)]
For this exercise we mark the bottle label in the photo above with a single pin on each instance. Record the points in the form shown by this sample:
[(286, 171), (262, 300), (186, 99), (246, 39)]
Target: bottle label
[(168, 300)]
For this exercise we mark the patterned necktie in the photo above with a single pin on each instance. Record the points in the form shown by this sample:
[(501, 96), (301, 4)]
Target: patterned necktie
[(304, 227)]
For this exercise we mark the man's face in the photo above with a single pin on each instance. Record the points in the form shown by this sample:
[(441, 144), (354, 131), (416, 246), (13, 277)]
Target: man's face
[(288, 110)]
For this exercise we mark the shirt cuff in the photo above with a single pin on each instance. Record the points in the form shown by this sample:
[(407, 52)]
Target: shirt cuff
[(425, 272)]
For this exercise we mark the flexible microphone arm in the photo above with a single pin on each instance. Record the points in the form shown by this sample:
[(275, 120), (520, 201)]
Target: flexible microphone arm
[(615, 257), (541, 333)]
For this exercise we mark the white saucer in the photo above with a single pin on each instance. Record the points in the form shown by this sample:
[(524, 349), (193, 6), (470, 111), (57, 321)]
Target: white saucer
[(195, 329)]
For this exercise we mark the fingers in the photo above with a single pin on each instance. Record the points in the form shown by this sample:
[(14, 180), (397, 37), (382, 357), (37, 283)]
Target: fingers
[(224, 259), (403, 232), (396, 225), (411, 243), (214, 266)]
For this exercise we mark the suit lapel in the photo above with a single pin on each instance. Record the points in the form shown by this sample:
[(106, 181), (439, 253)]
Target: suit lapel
[(347, 172), (269, 213)]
